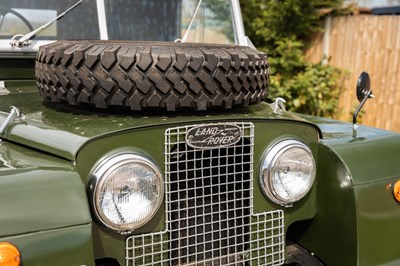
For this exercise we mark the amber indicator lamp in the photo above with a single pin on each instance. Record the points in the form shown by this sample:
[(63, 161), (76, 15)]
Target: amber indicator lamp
[(396, 190), (9, 255)]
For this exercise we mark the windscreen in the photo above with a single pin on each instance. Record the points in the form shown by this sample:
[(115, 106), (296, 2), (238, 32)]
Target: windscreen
[(146, 20), (20, 16)]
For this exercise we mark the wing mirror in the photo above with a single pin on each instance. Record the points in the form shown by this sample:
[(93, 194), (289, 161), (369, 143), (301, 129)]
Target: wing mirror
[(363, 92)]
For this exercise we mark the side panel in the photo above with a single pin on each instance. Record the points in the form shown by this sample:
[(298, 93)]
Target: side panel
[(378, 224), (370, 159), (66, 246), (38, 192), (374, 166)]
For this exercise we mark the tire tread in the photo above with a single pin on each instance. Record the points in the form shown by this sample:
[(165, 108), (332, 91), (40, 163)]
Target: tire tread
[(138, 75)]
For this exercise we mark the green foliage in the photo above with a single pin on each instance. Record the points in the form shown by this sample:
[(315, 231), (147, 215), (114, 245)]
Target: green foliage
[(283, 29), (314, 90)]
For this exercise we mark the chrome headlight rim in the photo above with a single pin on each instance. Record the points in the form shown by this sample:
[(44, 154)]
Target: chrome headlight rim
[(269, 159), (98, 177)]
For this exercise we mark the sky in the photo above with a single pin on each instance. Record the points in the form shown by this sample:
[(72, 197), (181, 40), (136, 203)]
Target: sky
[(376, 3)]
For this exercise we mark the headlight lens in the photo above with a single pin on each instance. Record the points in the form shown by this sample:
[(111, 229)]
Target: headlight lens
[(287, 172), (126, 192)]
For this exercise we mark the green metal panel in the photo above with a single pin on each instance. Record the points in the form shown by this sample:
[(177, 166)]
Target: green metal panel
[(16, 66), (38, 192), (350, 197), (65, 246), (332, 234), (342, 132), (371, 159), (357, 219), (45, 138), (378, 220)]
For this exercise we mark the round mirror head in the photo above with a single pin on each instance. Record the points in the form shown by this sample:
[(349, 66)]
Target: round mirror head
[(363, 86)]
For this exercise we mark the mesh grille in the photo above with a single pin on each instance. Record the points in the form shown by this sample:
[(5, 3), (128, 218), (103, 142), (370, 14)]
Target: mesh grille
[(209, 203)]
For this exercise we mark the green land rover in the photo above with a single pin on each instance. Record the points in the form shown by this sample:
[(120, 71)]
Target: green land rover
[(136, 133)]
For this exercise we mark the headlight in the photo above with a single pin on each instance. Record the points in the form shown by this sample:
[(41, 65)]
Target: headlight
[(126, 191), (287, 172)]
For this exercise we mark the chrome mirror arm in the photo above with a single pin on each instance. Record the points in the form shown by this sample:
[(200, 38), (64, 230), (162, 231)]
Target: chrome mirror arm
[(368, 95)]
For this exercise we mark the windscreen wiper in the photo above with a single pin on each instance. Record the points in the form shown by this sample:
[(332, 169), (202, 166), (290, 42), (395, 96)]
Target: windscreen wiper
[(25, 40), (184, 38)]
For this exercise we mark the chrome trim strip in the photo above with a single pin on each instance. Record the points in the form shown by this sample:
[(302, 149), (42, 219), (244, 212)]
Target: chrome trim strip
[(240, 36), (33, 48), (101, 13)]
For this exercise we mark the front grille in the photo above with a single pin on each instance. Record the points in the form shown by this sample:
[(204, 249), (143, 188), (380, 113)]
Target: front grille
[(209, 205)]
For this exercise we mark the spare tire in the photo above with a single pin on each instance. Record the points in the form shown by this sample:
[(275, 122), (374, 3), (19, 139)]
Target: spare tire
[(140, 75)]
